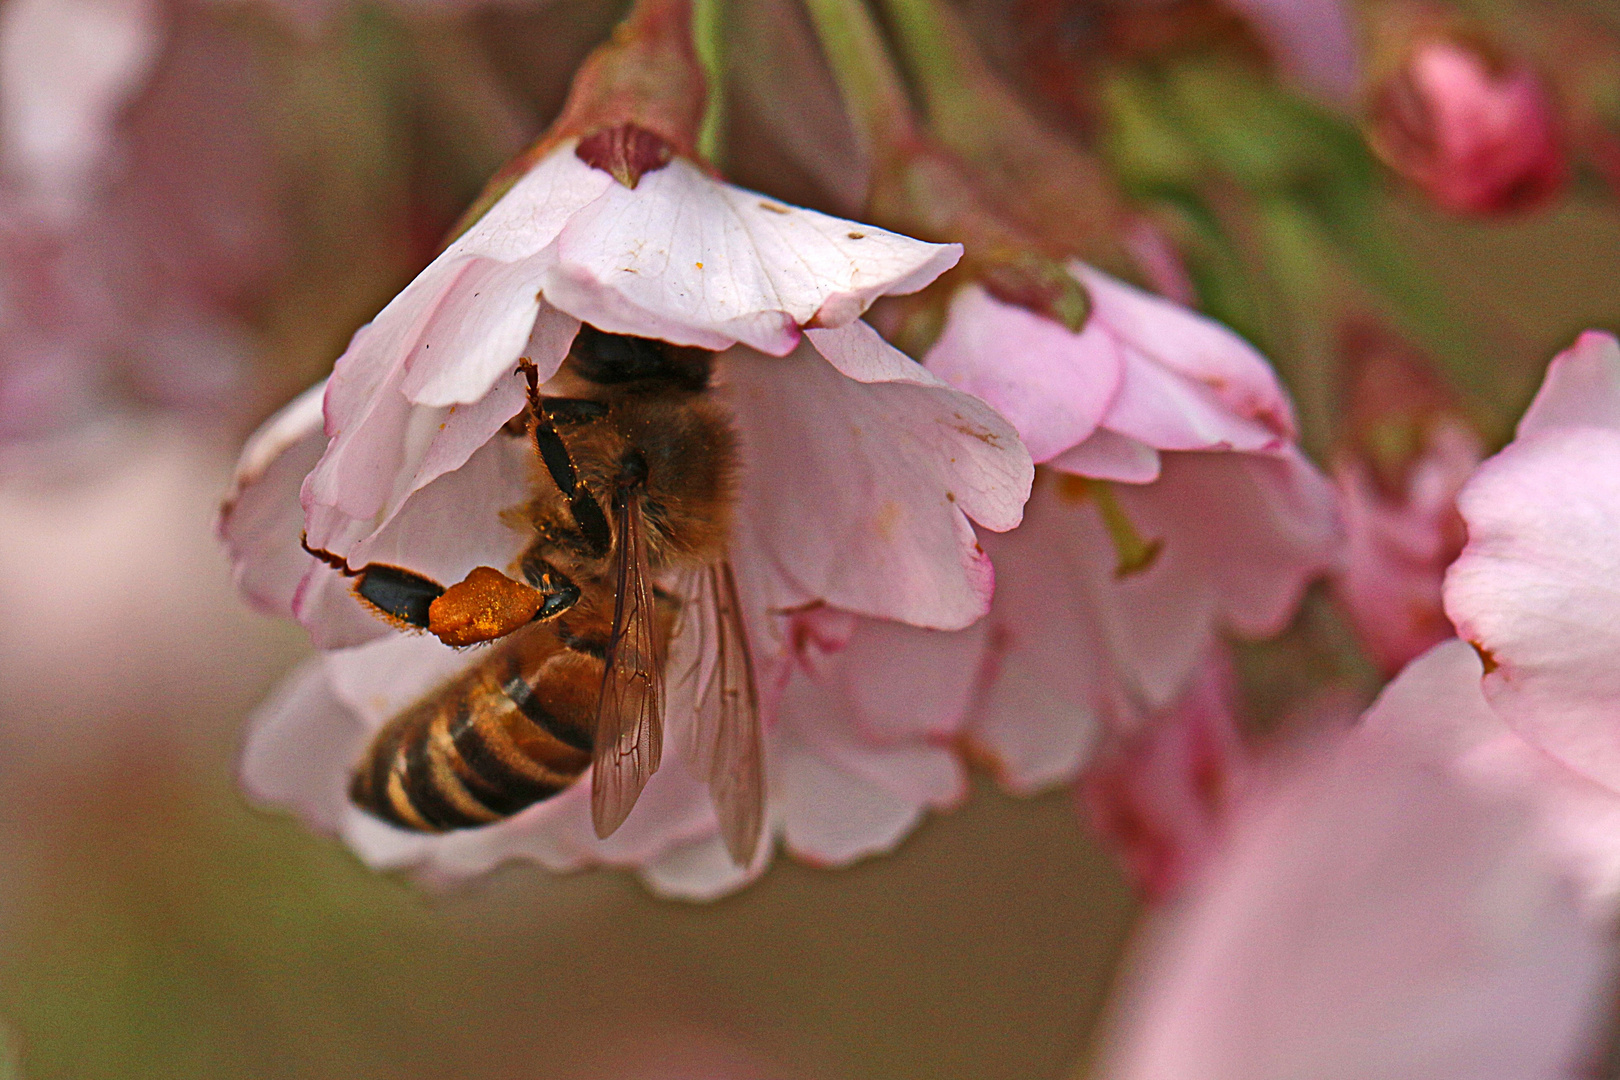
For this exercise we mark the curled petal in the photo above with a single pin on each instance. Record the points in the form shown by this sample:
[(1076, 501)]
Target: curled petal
[(1108, 455), (689, 259), (1191, 345)]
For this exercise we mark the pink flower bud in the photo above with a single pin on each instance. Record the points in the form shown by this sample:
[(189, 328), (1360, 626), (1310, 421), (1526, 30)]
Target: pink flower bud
[(1480, 135)]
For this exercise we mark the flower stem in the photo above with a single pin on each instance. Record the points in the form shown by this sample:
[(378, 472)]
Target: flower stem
[(867, 77)]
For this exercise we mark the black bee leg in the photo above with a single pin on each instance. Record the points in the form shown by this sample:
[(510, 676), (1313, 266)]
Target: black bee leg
[(399, 594), (548, 412), (560, 593)]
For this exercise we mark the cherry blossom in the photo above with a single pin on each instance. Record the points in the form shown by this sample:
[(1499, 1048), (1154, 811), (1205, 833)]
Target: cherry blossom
[(1407, 450), (860, 475), (1110, 594)]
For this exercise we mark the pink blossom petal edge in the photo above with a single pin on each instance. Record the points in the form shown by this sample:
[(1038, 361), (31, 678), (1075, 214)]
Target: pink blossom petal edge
[(1581, 388), (1537, 590)]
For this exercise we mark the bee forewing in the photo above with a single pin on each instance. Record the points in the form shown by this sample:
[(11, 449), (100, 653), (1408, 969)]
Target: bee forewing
[(630, 714), (725, 741)]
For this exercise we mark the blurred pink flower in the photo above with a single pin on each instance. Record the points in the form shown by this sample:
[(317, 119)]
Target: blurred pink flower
[(1397, 550), (138, 210), (67, 67), (860, 475), (1407, 451), (1160, 793), (1533, 589), (1110, 594), (1480, 135), (1369, 917)]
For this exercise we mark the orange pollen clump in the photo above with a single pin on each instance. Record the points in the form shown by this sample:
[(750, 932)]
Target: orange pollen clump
[(486, 605)]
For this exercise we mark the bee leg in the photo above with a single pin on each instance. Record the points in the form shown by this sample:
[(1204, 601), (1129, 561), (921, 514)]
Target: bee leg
[(559, 592), (400, 595), (582, 506)]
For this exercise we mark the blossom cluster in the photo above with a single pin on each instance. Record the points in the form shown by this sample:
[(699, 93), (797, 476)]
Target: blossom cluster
[(665, 524)]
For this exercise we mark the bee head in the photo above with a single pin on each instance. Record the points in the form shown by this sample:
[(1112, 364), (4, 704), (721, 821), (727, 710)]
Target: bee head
[(614, 359)]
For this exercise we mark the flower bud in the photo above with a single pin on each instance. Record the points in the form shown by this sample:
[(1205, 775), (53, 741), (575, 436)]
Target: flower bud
[(1478, 132)]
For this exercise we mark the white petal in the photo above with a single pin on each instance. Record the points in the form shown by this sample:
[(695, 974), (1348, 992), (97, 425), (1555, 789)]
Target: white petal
[(688, 259)]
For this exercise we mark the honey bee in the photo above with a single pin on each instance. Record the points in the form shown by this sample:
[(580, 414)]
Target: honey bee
[(634, 490)]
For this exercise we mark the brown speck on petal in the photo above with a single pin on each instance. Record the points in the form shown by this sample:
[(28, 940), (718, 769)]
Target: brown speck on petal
[(856, 235), (774, 208), (626, 152), (1485, 657)]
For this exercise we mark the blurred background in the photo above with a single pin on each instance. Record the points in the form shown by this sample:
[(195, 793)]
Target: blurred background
[(201, 200)]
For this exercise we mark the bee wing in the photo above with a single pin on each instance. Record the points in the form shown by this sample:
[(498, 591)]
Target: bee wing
[(725, 735), (630, 712)]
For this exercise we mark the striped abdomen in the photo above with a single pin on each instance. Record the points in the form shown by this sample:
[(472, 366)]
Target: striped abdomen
[(511, 730)]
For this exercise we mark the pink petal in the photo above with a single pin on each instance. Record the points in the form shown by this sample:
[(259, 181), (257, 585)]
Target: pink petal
[(1371, 918), (902, 683), (261, 521), (384, 449), (301, 743), (1243, 534), (1074, 645), (998, 471), (1049, 677), (1536, 589), (1166, 410), (839, 798), (1107, 455), (1436, 711), (858, 494), (700, 870), (1182, 341), (688, 259), (1054, 385), (1581, 388)]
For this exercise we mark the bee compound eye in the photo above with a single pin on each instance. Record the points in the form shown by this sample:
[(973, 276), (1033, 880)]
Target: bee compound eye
[(398, 593)]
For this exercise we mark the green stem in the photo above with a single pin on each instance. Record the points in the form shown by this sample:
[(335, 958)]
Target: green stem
[(708, 37), (867, 77), (1134, 554)]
